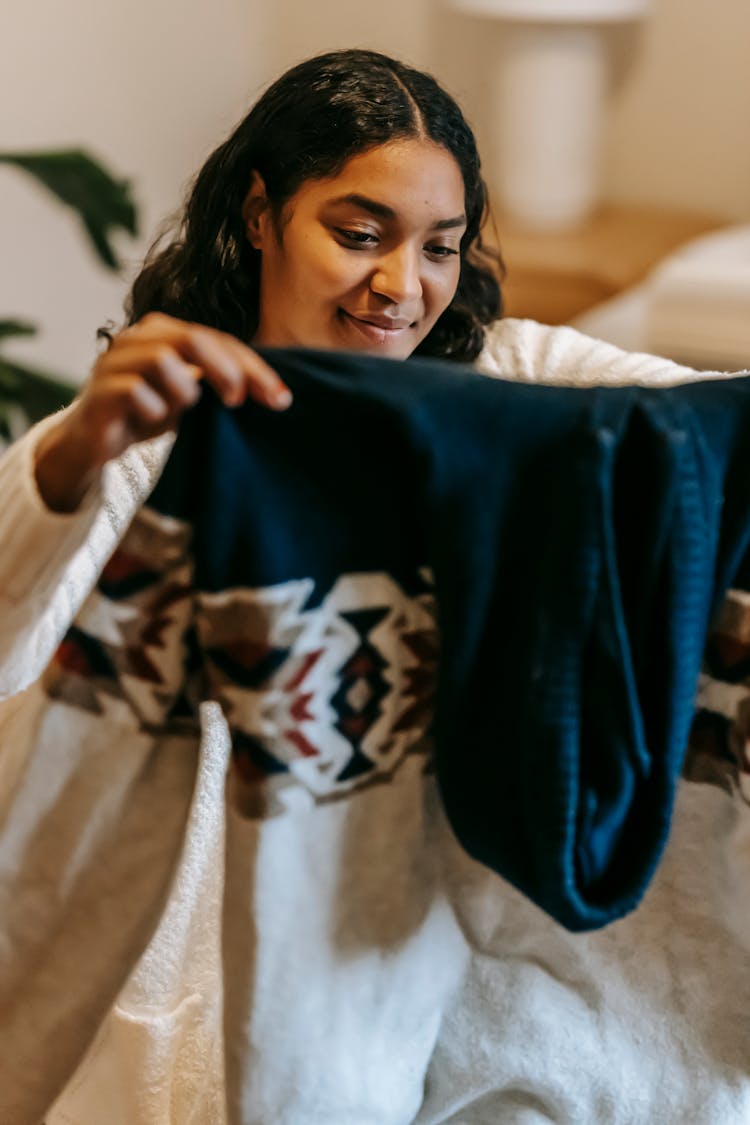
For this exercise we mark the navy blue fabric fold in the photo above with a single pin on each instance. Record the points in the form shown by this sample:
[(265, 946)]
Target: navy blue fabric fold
[(579, 542)]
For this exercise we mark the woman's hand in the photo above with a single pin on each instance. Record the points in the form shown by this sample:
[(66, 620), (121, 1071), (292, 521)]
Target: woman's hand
[(138, 389)]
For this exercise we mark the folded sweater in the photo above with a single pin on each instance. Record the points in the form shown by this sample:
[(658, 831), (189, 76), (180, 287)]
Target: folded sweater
[(566, 546)]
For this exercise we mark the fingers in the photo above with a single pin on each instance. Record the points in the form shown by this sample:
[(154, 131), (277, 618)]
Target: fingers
[(260, 381), (151, 374), (233, 369), (120, 410), (161, 370)]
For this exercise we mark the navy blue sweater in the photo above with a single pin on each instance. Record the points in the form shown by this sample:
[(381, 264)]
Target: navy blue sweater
[(578, 541)]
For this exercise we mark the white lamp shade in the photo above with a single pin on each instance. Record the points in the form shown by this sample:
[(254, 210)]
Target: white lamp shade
[(556, 11), (548, 101), (548, 95)]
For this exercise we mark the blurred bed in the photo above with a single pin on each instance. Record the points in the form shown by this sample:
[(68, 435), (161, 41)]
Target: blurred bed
[(694, 307)]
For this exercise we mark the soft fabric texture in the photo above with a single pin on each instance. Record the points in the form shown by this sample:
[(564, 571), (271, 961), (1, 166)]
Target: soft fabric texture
[(474, 1006), (567, 546)]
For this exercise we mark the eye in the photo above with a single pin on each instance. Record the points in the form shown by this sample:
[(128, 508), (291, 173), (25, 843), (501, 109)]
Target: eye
[(441, 252), (356, 238)]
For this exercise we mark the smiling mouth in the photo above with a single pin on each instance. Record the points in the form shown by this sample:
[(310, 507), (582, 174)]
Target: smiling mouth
[(377, 331)]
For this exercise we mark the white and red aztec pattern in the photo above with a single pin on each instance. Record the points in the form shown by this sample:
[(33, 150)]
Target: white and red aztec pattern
[(320, 695)]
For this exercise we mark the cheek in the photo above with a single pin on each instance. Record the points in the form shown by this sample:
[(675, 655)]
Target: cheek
[(329, 270), (341, 271), (443, 288)]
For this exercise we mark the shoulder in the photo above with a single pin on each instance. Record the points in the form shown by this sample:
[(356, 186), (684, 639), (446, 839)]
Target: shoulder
[(526, 351)]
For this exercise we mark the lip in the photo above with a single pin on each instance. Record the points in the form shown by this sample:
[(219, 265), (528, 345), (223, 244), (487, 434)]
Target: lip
[(377, 329)]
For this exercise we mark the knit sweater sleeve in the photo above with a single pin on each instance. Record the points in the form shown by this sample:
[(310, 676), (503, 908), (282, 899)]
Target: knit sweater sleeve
[(529, 352), (49, 562)]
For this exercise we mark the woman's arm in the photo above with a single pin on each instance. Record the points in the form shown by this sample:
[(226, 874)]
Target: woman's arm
[(139, 388), (49, 561), (72, 485)]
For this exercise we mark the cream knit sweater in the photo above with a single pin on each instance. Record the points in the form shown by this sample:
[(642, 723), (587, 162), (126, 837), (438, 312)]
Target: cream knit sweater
[(141, 903)]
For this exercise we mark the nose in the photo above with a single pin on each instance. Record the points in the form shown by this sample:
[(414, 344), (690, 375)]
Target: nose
[(397, 276)]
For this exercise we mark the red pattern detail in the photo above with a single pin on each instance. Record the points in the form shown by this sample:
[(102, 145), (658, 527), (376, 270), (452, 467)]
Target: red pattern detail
[(299, 709), (123, 565), (298, 739), (361, 666), (72, 658), (308, 662), (354, 727)]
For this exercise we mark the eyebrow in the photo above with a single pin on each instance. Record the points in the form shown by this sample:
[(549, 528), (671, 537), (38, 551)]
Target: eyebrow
[(383, 211)]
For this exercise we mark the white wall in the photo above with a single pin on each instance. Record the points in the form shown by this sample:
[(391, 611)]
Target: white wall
[(399, 27), (679, 122), (678, 131), (150, 87), (680, 125)]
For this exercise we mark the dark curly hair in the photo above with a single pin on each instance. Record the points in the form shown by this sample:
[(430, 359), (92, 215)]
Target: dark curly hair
[(307, 125)]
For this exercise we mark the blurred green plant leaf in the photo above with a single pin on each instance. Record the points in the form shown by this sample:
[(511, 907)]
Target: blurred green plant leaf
[(102, 203), (28, 386), (16, 328), (26, 395)]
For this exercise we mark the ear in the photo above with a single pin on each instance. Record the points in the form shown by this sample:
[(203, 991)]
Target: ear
[(254, 211)]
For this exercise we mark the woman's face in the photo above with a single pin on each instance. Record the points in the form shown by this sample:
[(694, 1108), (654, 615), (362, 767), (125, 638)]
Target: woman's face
[(366, 260)]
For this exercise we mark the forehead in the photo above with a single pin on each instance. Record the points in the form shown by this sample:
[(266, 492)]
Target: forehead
[(409, 176)]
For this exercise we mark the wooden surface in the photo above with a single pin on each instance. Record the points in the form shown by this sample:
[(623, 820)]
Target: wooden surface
[(554, 275)]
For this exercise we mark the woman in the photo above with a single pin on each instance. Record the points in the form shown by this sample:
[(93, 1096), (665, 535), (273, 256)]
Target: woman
[(343, 212), (361, 951)]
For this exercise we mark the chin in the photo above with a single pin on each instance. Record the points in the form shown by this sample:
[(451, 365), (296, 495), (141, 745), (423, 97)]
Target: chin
[(392, 352), (391, 349)]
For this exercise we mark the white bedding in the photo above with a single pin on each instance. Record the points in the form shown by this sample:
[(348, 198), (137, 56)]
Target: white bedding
[(693, 308)]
